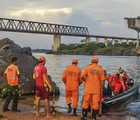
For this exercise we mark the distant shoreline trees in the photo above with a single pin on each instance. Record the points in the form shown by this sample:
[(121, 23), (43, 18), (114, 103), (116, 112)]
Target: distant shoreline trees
[(98, 49)]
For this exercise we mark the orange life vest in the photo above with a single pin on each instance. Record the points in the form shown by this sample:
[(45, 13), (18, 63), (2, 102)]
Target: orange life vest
[(12, 73)]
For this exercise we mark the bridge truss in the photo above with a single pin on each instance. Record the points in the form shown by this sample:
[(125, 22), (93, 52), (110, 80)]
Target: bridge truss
[(13, 25)]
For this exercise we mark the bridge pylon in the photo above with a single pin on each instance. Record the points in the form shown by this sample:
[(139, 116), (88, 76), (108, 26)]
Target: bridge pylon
[(137, 39), (113, 42), (137, 45), (97, 40), (127, 42), (88, 40), (57, 42), (106, 42), (120, 41)]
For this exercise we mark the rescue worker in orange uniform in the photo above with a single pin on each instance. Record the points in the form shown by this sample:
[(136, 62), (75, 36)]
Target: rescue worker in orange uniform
[(94, 75), (43, 85), (124, 75), (12, 76), (72, 80), (116, 83)]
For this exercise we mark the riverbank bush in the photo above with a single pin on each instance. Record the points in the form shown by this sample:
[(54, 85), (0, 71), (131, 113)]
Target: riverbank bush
[(98, 49)]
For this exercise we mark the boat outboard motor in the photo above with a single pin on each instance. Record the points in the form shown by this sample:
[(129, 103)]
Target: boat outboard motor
[(130, 82)]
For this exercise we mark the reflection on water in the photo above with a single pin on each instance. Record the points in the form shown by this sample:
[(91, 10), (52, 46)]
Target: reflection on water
[(134, 109), (57, 63)]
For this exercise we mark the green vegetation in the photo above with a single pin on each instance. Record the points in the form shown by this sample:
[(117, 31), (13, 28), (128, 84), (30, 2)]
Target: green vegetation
[(98, 49)]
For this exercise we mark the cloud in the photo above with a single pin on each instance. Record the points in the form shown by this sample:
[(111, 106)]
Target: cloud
[(40, 11), (122, 1), (97, 18), (82, 19), (50, 15), (108, 24), (102, 17), (126, 1)]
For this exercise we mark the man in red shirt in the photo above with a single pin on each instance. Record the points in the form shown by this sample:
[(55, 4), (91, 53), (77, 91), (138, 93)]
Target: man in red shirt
[(43, 85), (116, 83)]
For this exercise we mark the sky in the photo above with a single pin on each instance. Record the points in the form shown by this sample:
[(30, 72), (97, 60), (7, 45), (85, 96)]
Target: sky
[(101, 17)]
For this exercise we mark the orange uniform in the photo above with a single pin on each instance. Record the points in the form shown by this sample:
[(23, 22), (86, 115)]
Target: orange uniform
[(12, 74), (123, 74), (72, 79), (117, 83), (94, 75)]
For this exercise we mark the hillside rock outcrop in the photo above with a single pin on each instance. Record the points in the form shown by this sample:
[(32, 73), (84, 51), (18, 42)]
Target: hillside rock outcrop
[(27, 62)]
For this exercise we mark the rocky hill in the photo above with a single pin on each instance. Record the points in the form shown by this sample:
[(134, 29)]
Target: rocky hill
[(27, 62)]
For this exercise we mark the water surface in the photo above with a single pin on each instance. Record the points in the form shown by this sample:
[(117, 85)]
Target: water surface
[(57, 63)]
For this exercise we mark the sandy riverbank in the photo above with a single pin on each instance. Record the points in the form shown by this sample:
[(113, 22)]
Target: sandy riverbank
[(26, 105)]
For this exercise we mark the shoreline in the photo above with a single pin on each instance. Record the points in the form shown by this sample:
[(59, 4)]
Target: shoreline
[(85, 54), (96, 54), (26, 107)]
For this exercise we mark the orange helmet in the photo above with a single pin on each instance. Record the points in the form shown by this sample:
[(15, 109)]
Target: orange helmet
[(94, 59), (120, 70), (41, 58), (74, 61)]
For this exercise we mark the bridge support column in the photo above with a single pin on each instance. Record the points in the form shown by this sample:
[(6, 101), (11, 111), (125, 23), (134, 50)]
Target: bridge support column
[(57, 42), (137, 39), (134, 41), (97, 40), (120, 41), (127, 42), (106, 41), (113, 42), (88, 40)]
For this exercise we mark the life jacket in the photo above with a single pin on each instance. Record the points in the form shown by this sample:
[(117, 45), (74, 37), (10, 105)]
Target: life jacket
[(12, 73), (124, 76)]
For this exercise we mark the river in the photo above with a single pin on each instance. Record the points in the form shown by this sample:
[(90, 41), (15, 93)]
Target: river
[(57, 63)]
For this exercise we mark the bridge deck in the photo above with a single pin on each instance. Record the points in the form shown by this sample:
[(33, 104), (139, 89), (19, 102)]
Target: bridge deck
[(14, 25)]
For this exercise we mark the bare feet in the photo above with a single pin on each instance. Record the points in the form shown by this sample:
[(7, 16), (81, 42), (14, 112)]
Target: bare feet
[(49, 117), (37, 114)]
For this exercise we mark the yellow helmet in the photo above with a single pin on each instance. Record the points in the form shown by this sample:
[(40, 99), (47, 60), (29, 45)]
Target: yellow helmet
[(120, 70)]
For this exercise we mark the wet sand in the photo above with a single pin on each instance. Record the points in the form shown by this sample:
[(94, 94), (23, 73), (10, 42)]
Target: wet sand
[(26, 107)]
